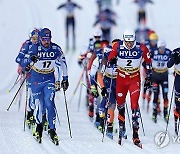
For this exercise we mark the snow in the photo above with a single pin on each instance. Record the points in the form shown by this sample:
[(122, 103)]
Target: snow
[(17, 17)]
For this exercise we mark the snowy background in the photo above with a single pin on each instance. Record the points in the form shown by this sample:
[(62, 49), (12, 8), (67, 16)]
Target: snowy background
[(17, 17)]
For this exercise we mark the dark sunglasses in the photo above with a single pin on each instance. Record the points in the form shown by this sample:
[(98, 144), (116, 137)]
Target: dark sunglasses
[(97, 37), (46, 39)]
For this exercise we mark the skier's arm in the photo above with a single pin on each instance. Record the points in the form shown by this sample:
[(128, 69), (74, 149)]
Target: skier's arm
[(113, 53), (96, 22), (113, 22), (58, 72), (171, 61), (61, 61), (30, 58), (23, 51), (93, 71), (61, 6), (147, 58), (78, 6), (150, 1), (91, 60)]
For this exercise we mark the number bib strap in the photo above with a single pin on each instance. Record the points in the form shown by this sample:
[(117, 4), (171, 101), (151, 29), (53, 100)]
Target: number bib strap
[(43, 71), (160, 70), (129, 70)]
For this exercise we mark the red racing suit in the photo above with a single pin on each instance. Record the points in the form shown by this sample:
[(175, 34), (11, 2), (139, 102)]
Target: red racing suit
[(128, 64)]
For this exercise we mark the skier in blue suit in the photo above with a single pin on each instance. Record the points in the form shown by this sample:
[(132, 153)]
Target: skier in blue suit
[(43, 58)]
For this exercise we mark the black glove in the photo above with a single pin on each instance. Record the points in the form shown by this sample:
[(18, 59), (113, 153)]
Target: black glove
[(57, 85), (34, 58), (113, 61), (148, 82), (27, 68), (104, 92), (176, 56), (64, 84)]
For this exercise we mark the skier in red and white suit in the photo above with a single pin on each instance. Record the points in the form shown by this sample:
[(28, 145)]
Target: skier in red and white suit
[(128, 53)]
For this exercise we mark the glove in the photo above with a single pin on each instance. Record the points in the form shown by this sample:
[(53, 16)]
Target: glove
[(34, 58), (176, 55), (104, 92), (20, 70), (64, 84), (147, 83), (113, 61), (57, 85), (94, 91)]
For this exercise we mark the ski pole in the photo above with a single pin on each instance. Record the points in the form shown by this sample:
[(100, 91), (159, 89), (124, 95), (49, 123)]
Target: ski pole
[(107, 105), (170, 107), (15, 83), (80, 95), (67, 114), (57, 116), (128, 116), (20, 97), (142, 122), (95, 81), (16, 94), (25, 109), (82, 74)]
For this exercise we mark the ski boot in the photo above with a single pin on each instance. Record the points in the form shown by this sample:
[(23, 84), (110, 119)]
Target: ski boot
[(44, 122), (137, 142), (136, 139), (121, 118), (135, 123), (166, 117), (53, 136), (109, 131), (38, 133), (101, 126), (97, 121), (122, 133), (30, 118)]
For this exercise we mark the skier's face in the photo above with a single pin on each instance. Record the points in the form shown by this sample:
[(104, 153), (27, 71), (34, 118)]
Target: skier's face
[(153, 42), (97, 38), (129, 44), (34, 39), (45, 41), (161, 49)]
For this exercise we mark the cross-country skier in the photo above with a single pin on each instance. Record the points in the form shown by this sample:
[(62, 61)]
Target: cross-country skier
[(129, 55), (142, 11), (175, 60), (70, 21), (160, 58), (33, 39), (43, 58), (107, 79)]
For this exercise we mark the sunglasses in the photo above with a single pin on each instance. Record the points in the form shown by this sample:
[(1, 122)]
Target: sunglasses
[(162, 48), (46, 39), (97, 37)]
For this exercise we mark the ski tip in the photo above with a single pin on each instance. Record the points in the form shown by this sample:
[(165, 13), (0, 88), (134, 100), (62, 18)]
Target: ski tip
[(139, 145)]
